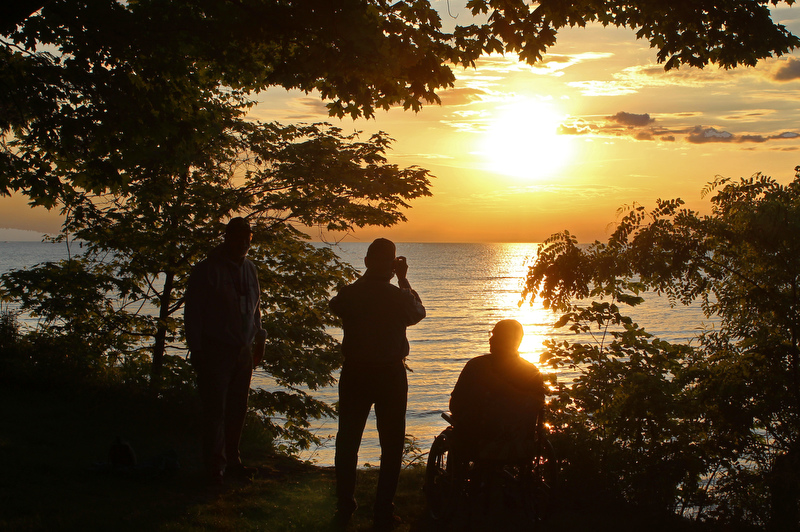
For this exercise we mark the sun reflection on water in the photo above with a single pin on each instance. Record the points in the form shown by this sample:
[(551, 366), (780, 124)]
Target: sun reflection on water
[(537, 322)]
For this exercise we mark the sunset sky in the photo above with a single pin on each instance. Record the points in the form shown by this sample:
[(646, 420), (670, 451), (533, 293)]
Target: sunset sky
[(520, 152)]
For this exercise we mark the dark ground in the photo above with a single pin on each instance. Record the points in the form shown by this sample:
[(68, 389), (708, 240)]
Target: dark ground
[(54, 475)]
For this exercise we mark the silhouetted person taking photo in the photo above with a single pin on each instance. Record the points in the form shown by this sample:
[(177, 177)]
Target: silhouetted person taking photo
[(223, 319), (375, 315), (498, 397)]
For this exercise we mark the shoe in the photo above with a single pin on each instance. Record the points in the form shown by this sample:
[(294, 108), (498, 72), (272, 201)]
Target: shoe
[(340, 520), (343, 515), (240, 472), (387, 523), (215, 478)]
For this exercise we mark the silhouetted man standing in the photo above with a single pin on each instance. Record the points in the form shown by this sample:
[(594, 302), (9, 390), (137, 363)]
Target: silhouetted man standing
[(375, 315), (222, 319)]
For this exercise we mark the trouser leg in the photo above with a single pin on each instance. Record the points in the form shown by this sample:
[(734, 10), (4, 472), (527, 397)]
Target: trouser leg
[(236, 405), (390, 413), (212, 388), (354, 407), (223, 383)]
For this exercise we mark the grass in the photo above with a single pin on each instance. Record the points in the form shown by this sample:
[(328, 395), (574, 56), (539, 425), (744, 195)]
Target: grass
[(54, 452), (54, 444)]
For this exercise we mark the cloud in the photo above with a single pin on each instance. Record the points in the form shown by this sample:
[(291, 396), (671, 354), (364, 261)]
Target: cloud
[(462, 96), (307, 109), (618, 125), (604, 88), (749, 115), (435, 157), (770, 97), (574, 192), (551, 64), (578, 127), (288, 107), (633, 79), (630, 119), (642, 127), (652, 75), (788, 70), (752, 138), (466, 126), (699, 135)]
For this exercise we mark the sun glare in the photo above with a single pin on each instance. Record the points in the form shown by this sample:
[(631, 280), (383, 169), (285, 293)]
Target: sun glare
[(523, 141)]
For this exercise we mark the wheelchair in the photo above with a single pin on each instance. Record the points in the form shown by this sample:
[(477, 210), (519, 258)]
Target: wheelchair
[(465, 490)]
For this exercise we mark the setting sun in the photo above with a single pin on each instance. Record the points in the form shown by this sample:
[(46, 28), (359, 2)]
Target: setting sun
[(522, 140)]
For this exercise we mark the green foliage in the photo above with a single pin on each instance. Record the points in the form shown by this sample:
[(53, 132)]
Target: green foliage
[(413, 455), (360, 56), (11, 355), (129, 117), (121, 299), (73, 71), (140, 139), (684, 32), (696, 427), (143, 146), (618, 422)]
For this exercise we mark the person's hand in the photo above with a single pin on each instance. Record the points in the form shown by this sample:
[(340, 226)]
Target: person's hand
[(400, 267), (258, 347)]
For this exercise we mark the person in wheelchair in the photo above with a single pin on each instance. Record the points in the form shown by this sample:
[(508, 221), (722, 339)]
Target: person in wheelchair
[(496, 400)]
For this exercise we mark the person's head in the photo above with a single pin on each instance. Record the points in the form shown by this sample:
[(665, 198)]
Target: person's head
[(237, 238), (506, 337), (380, 257)]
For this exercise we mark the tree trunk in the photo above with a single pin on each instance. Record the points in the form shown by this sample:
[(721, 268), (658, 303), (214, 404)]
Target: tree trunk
[(160, 339)]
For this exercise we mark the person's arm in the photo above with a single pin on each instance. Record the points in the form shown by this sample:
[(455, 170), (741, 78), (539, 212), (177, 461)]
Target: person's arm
[(261, 334), (540, 390), (336, 304), (456, 400), (467, 398), (413, 307), (193, 309), (259, 346)]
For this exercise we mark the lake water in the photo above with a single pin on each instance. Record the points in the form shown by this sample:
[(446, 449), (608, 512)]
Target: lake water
[(466, 289)]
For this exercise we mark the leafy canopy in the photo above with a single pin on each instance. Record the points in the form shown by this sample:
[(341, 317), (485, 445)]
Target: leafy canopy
[(121, 299), (684, 32), (89, 77), (141, 140), (716, 420)]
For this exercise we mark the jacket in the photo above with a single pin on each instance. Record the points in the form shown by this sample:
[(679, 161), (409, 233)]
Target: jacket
[(222, 303), (375, 315), (497, 396)]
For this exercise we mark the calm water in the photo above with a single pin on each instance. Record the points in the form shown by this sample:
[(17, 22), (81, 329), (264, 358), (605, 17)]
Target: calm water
[(466, 289)]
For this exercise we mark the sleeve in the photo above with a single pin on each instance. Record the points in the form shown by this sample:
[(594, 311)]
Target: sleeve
[(336, 304), (529, 391), (193, 308), (260, 340), (539, 389), (461, 394), (456, 404), (257, 311), (413, 310), (257, 318)]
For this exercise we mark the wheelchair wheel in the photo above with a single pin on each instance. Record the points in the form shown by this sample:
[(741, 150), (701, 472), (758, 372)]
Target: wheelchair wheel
[(441, 490), (540, 484)]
